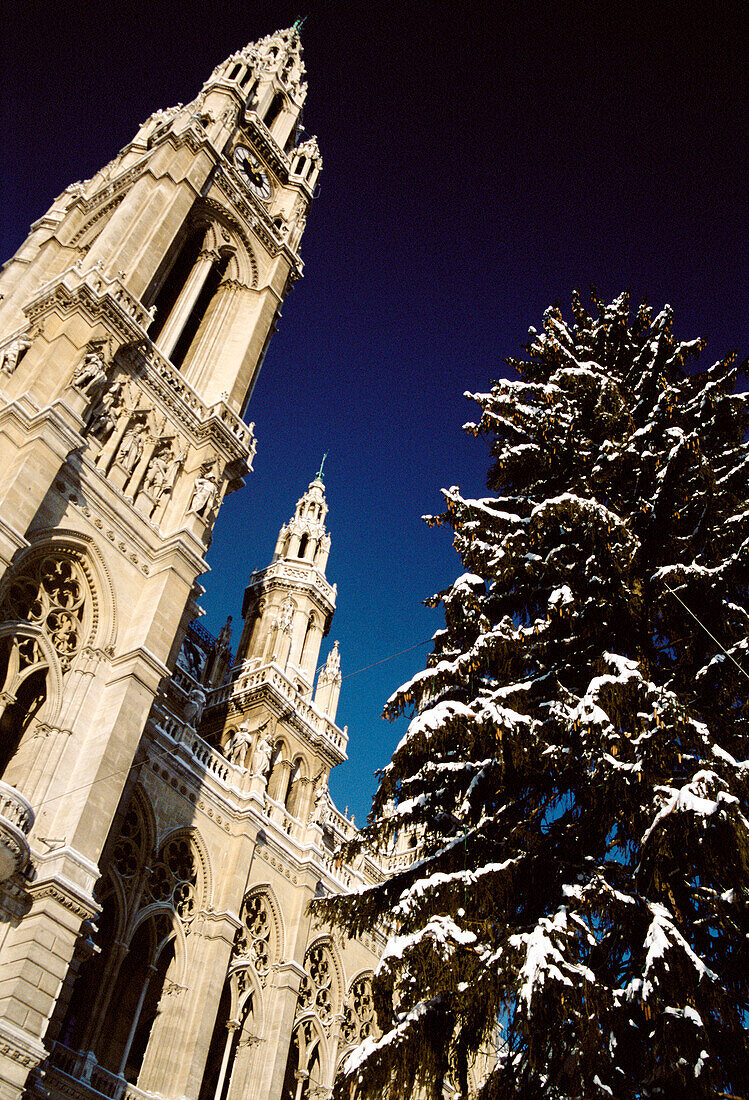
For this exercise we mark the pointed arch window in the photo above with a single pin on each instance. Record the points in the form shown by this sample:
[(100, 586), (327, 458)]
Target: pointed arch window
[(303, 1076), (274, 110), (199, 310), (170, 280)]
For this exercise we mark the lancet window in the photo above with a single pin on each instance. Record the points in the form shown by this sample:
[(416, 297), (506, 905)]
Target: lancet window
[(46, 613), (149, 900), (304, 1070)]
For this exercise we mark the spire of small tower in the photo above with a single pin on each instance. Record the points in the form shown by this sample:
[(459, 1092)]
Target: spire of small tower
[(304, 536), (288, 607), (329, 684)]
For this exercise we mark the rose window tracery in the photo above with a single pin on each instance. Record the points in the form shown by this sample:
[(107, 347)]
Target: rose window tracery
[(359, 1019), (254, 940), (174, 877), (51, 594), (316, 989)]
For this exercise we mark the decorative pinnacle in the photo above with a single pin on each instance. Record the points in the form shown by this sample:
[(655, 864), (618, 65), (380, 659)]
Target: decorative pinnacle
[(318, 475)]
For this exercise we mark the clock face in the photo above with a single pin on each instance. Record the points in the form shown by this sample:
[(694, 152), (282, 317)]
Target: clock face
[(252, 171)]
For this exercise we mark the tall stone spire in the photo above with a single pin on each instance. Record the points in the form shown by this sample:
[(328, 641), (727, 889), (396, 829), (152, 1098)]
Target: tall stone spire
[(288, 607)]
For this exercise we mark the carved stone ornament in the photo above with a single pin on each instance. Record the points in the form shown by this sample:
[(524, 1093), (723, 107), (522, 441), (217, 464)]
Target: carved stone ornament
[(13, 352), (91, 373), (104, 413), (204, 495)]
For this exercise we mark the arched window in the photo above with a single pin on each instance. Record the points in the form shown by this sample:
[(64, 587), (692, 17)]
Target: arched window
[(134, 1003), (235, 71), (276, 106), (199, 310), (170, 279), (308, 635), (45, 619), (23, 676), (297, 785), (303, 543), (303, 1077)]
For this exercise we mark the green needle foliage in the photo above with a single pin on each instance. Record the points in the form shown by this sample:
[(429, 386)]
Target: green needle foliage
[(576, 923)]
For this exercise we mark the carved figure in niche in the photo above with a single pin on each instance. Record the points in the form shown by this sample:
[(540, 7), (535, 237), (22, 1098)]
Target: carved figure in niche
[(320, 808), (13, 352), (156, 474), (91, 373), (174, 467), (104, 415), (238, 745), (260, 762), (203, 495), (286, 616), (131, 447), (195, 706)]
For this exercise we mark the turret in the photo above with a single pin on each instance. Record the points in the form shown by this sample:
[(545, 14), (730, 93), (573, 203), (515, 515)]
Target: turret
[(288, 607)]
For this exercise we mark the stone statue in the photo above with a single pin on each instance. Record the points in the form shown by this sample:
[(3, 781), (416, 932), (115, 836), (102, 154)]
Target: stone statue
[(91, 373), (131, 447), (104, 416), (203, 495), (13, 352), (174, 467), (262, 754), (195, 706), (154, 482), (237, 746), (320, 807), (286, 616)]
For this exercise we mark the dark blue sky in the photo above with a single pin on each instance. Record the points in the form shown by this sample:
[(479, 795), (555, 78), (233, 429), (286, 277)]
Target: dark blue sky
[(479, 162)]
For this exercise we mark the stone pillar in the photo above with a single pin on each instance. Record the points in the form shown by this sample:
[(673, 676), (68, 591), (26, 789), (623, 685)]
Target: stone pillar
[(183, 307), (282, 998), (36, 956)]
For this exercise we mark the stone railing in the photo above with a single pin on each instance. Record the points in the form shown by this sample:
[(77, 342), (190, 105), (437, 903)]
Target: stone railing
[(277, 812), (208, 759), (167, 379), (86, 1071), (271, 674), (93, 284), (301, 572), (16, 819)]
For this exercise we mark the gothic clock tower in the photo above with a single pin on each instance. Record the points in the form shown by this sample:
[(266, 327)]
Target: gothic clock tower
[(133, 323)]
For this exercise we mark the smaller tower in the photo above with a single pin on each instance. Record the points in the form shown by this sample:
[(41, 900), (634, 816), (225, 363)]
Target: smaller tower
[(329, 684), (288, 607)]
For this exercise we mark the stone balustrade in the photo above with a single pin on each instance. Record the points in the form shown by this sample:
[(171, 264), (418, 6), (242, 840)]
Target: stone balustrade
[(271, 674), (86, 1072), (16, 820)]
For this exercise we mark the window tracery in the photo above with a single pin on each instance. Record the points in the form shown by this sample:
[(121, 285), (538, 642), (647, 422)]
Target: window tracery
[(256, 938), (50, 593), (359, 1019), (174, 878), (317, 989)]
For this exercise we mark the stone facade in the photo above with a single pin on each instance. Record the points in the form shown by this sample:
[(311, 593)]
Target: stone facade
[(164, 814)]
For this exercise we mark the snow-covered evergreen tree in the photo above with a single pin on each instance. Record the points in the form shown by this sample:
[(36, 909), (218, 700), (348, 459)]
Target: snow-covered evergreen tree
[(577, 772)]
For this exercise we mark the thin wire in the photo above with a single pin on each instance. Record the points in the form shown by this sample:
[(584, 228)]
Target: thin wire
[(103, 778), (385, 659), (161, 756), (712, 636)]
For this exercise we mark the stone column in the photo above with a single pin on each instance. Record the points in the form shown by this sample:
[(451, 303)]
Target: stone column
[(183, 307)]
